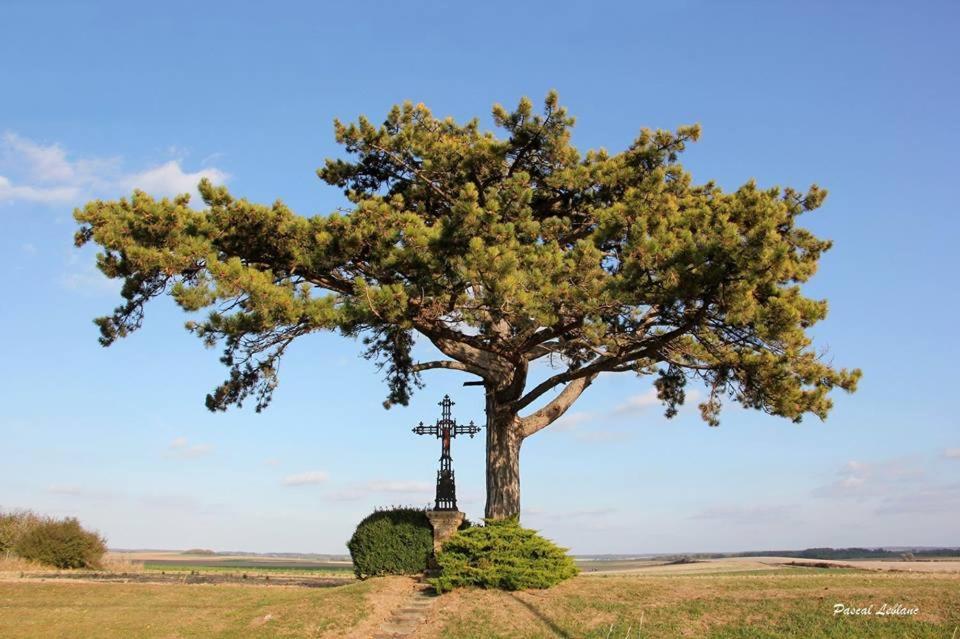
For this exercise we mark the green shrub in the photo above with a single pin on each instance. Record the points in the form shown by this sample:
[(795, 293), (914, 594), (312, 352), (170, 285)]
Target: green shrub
[(14, 525), (503, 555), (397, 541), (63, 544)]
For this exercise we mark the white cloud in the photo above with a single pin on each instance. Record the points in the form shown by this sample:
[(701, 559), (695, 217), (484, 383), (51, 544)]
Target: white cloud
[(639, 402), (10, 192), (571, 421), (862, 480), (893, 487), (45, 174), (180, 447), (46, 164), (170, 179), (952, 453), (308, 478)]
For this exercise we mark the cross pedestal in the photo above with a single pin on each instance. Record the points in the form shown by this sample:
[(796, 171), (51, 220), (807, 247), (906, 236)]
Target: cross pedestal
[(445, 523)]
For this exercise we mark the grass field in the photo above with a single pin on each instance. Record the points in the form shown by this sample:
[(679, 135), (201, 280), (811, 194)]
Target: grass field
[(794, 602), (773, 603), (50, 610), (726, 599)]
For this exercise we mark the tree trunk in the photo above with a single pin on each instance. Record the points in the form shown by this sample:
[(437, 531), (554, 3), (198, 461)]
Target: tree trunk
[(503, 461)]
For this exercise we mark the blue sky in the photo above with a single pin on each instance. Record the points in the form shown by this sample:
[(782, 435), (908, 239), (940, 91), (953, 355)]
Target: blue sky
[(99, 98)]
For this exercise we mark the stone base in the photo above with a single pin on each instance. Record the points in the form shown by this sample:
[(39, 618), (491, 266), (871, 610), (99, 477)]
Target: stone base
[(445, 523)]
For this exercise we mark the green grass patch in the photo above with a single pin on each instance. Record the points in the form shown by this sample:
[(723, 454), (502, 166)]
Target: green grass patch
[(34, 610), (239, 567)]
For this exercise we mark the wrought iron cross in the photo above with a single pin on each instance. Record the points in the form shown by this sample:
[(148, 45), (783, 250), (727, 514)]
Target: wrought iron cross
[(446, 429)]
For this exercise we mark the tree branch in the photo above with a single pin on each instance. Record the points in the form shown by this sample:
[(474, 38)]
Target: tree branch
[(479, 362), (611, 362), (556, 408), (443, 363), (417, 173)]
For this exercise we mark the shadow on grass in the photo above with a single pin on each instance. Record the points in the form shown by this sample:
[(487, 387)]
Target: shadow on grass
[(550, 623)]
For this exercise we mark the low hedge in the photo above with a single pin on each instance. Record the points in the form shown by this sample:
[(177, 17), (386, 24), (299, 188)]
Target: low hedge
[(504, 555), (395, 541)]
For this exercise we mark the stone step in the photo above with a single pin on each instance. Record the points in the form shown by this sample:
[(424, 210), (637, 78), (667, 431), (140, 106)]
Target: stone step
[(408, 617), (402, 629), (423, 596)]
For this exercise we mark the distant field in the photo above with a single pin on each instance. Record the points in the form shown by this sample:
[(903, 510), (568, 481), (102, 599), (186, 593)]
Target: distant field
[(175, 561), (760, 564)]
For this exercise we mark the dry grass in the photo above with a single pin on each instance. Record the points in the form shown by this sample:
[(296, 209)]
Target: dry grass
[(114, 562), (12, 563), (768, 604), (773, 604)]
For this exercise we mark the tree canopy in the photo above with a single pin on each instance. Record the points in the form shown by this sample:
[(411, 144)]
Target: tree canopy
[(500, 251)]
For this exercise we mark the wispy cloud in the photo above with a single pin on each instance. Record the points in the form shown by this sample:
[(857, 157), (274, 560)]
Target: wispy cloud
[(571, 421), (862, 480), (309, 478), (405, 488), (614, 429), (570, 514), (610, 426), (923, 499), (892, 487), (638, 403), (745, 514), (31, 171), (952, 453), (182, 448), (65, 489), (90, 281)]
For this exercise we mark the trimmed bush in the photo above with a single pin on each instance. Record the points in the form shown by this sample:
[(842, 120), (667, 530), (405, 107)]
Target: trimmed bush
[(397, 541), (504, 555), (63, 544)]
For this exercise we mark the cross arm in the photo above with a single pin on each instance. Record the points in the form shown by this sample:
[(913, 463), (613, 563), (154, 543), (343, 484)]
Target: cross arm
[(423, 429), (468, 429)]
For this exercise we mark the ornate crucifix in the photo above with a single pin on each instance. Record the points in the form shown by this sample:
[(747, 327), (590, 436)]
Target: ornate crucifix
[(446, 429)]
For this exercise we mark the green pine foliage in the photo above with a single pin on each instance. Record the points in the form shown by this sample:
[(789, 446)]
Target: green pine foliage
[(500, 250), (504, 555), (62, 544), (395, 541)]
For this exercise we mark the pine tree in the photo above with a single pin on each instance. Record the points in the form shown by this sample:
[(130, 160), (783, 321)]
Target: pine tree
[(501, 251)]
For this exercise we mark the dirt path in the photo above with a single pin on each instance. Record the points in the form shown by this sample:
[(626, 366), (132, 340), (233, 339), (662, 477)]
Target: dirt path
[(391, 595)]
